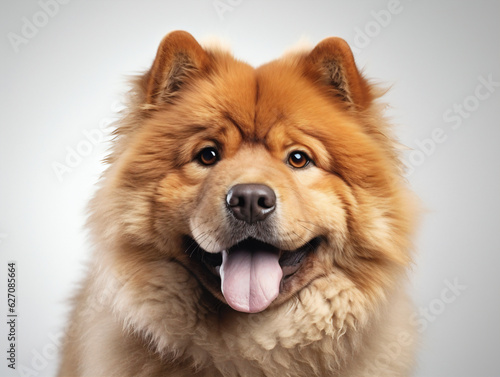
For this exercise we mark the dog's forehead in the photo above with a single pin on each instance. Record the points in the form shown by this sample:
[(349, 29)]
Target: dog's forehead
[(237, 102), (260, 101)]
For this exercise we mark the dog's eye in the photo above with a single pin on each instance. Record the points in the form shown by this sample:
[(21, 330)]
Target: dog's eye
[(208, 156), (298, 159)]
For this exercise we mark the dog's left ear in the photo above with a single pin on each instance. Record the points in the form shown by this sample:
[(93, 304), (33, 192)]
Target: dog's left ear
[(332, 63), (179, 59)]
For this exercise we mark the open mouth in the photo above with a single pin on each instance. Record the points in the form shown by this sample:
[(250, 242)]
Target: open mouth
[(252, 272)]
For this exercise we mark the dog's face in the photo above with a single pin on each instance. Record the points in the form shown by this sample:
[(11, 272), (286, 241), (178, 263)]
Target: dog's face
[(259, 181)]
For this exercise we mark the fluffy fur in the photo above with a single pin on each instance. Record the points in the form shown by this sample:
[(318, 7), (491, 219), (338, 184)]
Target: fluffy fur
[(148, 308)]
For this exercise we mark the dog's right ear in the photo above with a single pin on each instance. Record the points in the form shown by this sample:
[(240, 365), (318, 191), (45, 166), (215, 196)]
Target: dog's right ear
[(179, 58)]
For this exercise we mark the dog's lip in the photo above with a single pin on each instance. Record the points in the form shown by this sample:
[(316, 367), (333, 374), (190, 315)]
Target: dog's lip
[(289, 260)]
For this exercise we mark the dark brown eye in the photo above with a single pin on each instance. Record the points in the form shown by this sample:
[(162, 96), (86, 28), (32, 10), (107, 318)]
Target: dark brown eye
[(298, 159), (208, 156)]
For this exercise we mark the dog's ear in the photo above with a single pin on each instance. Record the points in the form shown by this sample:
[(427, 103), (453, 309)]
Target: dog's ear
[(332, 63), (179, 58)]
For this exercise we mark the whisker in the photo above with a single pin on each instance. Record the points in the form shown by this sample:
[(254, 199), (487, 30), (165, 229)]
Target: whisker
[(194, 245)]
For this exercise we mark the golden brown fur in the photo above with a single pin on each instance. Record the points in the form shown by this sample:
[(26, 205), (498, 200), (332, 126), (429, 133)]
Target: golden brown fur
[(148, 308)]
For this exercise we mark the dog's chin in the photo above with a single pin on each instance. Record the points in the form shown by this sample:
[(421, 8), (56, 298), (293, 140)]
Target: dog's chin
[(252, 274)]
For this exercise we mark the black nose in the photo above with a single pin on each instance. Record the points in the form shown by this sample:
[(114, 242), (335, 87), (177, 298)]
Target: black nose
[(251, 202)]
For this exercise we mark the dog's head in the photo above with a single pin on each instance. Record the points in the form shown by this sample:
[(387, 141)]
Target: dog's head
[(257, 181)]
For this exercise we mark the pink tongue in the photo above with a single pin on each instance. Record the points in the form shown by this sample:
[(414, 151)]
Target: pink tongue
[(250, 279)]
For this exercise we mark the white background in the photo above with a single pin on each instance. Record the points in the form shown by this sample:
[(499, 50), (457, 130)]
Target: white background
[(67, 76)]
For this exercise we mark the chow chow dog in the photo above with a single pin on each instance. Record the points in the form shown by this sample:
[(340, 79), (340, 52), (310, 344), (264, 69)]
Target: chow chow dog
[(251, 222)]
